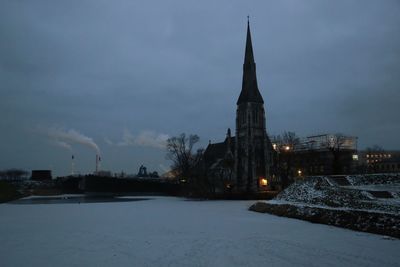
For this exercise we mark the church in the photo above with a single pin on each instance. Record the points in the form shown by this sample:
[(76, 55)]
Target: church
[(244, 163)]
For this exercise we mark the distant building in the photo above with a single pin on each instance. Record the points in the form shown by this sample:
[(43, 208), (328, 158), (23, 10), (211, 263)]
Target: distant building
[(324, 154), (243, 163), (379, 161), (41, 175)]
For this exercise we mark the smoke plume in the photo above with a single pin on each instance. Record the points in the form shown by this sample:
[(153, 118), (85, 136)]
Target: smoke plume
[(145, 139), (65, 138)]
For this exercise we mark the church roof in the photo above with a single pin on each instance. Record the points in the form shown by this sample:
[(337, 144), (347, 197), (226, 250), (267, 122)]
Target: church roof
[(218, 150), (250, 92)]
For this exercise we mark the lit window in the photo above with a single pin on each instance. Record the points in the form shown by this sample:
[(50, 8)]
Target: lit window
[(355, 157), (263, 182)]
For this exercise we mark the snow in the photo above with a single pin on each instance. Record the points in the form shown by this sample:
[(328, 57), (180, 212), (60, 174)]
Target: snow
[(376, 187), (166, 231)]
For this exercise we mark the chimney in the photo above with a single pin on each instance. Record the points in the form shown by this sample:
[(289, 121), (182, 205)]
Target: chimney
[(97, 164)]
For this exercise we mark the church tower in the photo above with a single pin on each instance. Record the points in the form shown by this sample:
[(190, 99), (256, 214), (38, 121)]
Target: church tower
[(252, 157)]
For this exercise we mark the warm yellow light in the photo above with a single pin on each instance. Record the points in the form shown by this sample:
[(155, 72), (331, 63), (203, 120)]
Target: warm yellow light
[(274, 146), (263, 182), (287, 147), (299, 172)]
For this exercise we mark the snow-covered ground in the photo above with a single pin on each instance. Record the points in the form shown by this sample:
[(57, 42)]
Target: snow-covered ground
[(376, 187), (175, 232)]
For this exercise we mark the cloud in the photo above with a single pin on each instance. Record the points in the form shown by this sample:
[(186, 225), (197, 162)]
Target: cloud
[(144, 139)]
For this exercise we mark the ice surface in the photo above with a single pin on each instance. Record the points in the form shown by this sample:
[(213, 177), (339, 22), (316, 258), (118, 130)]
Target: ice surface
[(175, 232)]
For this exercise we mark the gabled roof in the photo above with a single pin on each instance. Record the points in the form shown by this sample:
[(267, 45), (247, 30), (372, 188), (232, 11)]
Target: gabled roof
[(218, 150)]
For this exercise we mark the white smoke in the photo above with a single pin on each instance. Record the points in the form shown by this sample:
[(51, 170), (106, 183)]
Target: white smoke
[(62, 144), (108, 141), (144, 139), (65, 138)]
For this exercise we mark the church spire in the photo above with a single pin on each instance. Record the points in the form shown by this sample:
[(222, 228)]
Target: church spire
[(250, 92), (248, 56)]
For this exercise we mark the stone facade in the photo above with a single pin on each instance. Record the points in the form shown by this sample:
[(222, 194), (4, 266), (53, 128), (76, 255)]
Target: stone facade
[(251, 147)]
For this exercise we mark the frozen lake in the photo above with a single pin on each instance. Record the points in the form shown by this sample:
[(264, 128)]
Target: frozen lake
[(166, 231)]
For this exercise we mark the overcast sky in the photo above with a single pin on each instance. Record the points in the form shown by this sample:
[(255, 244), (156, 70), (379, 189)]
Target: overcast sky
[(119, 77)]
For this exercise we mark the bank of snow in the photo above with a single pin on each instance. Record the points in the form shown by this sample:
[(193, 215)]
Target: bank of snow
[(175, 232), (361, 204)]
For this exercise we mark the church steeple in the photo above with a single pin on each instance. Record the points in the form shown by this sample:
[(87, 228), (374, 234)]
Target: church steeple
[(250, 92)]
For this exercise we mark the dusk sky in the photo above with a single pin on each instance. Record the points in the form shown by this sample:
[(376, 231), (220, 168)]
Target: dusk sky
[(120, 77)]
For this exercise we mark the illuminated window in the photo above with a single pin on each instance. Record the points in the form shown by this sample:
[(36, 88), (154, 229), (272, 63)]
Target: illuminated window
[(355, 157), (263, 182)]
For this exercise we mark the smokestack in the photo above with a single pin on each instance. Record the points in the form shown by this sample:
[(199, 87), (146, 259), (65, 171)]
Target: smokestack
[(72, 165), (97, 163)]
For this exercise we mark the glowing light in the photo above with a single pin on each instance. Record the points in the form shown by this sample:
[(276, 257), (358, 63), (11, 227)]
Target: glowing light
[(263, 182), (355, 157), (287, 148), (299, 172)]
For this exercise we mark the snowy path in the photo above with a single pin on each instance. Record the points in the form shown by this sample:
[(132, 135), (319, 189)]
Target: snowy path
[(174, 232)]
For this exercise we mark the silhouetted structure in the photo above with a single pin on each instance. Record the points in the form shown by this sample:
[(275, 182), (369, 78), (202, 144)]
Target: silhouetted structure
[(243, 163), (41, 175), (142, 171)]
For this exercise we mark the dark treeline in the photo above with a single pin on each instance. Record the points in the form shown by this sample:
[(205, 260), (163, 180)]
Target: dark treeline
[(14, 174)]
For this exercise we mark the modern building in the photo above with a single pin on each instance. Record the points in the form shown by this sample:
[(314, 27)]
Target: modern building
[(242, 163), (379, 161), (324, 154)]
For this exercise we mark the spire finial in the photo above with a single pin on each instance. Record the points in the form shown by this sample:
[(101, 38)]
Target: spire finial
[(248, 19)]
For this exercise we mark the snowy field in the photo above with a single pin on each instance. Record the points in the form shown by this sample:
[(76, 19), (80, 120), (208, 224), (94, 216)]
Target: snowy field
[(173, 232)]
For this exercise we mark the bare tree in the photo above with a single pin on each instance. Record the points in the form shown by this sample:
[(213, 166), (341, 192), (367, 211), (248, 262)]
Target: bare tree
[(285, 145), (13, 174), (335, 144), (187, 164), (289, 139), (375, 149), (180, 152)]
